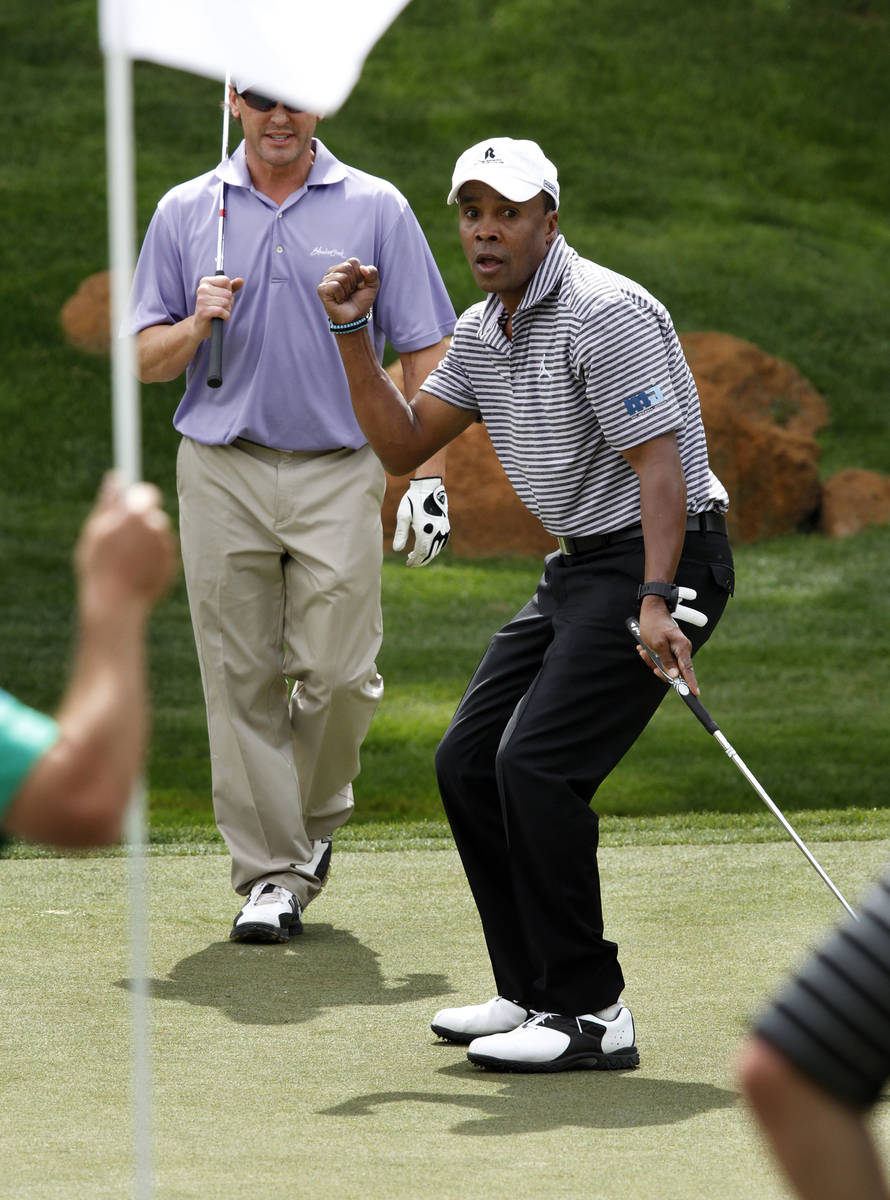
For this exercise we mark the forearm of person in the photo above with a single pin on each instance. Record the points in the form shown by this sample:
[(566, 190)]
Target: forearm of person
[(125, 560), (416, 367), (823, 1145), (663, 516), (398, 436), (77, 793), (662, 510), (164, 351)]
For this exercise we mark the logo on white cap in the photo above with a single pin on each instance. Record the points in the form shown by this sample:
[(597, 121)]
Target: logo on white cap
[(515, 168)]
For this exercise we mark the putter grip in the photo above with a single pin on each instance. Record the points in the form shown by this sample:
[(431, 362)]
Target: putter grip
[(214, 371), (695, 705), (692, 702)]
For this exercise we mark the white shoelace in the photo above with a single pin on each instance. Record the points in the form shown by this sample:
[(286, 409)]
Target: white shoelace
[(540, 1017), (537, 1018)]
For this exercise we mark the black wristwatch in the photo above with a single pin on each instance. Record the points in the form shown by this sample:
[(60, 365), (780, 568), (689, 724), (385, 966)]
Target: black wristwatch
[(668, 591)]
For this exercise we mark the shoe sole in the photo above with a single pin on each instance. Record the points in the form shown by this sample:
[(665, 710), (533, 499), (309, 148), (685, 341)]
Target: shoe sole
[(626, 1060), (464, 1039), (265, 934), (450, 1035)]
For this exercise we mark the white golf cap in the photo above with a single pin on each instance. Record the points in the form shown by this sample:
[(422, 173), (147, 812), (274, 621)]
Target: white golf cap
[(514, 168)]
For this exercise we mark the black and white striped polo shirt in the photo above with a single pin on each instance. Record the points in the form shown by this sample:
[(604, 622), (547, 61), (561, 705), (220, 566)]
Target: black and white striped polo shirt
[(594, 367), (833, 1020)]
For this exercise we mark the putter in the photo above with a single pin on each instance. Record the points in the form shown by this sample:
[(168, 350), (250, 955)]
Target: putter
[(695, 705), (214, 370)]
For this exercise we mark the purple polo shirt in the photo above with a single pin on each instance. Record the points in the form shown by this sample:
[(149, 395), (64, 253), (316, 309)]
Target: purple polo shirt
[(283, 381)]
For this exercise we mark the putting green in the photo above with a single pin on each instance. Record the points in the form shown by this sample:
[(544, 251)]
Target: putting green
[(310, 1069)]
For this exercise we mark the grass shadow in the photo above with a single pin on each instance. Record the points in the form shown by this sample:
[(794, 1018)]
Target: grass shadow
[(506, 1105), (270, 985)]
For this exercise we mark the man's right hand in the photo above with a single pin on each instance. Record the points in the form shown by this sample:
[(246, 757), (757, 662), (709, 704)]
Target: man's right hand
[(214, 298), (348, 290)]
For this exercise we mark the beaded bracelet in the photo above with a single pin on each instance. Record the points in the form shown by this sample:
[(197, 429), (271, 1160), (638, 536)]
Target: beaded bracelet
[(352, 326)]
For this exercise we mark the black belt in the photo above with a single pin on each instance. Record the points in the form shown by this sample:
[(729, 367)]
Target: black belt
[(703, 522)]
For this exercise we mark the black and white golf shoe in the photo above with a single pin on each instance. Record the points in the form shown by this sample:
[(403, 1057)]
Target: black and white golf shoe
[(550, 1042), (477, 1020), (271, 914)]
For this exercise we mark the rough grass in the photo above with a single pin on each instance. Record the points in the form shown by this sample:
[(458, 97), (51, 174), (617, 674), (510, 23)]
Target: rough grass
[(791, 676), (732, 157)]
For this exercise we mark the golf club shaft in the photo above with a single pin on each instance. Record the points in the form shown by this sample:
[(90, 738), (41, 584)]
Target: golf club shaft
[(695, 706), (783, 821), (214, 370)]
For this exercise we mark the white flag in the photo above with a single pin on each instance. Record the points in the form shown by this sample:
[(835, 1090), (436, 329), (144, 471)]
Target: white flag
[(307, 52)]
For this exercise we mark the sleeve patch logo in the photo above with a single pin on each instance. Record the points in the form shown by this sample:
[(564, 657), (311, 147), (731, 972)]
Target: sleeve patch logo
[(640, 401)]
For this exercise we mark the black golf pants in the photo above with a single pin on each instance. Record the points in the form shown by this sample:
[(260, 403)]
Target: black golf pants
[(558, 698)]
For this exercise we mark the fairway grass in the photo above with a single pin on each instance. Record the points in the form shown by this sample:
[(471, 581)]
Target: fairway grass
[(695, 828), (310, 1069), (791, 675)]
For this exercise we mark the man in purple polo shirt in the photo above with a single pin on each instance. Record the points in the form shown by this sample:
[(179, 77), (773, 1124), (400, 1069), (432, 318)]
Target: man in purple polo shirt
[(279, 492)]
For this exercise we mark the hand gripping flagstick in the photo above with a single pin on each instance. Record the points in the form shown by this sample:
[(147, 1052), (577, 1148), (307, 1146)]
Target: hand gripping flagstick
[(214, 370), (695, 705)]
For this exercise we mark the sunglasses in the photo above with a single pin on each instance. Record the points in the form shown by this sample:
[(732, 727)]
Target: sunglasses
[(261, 103)]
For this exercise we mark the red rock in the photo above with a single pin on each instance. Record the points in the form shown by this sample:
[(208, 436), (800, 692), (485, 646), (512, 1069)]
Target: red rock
[(86, 316), (853, 499), (760, 415)]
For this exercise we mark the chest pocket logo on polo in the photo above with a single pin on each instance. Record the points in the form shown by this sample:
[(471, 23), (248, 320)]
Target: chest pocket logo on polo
[(640, 401)]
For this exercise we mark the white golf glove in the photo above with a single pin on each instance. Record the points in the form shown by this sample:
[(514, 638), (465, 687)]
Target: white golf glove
[(691, 615), (423, 508)]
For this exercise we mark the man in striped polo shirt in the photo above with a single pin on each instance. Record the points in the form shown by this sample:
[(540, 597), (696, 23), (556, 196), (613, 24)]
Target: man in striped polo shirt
[(591, 407), (820, 1059)]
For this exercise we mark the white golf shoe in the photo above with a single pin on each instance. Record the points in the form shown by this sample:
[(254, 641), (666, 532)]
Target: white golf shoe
[(271, 914), (550, 1042), (477, 1020)]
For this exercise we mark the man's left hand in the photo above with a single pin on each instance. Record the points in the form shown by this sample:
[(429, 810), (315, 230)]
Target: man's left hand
[(423, 508), (659, 630)]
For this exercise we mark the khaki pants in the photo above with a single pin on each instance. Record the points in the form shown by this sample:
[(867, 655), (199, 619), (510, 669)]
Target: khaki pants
[(282, 554)]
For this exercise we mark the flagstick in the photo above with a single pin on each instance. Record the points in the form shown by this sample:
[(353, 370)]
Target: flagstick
[(121, 204), (127, 459), (141, 1081)]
